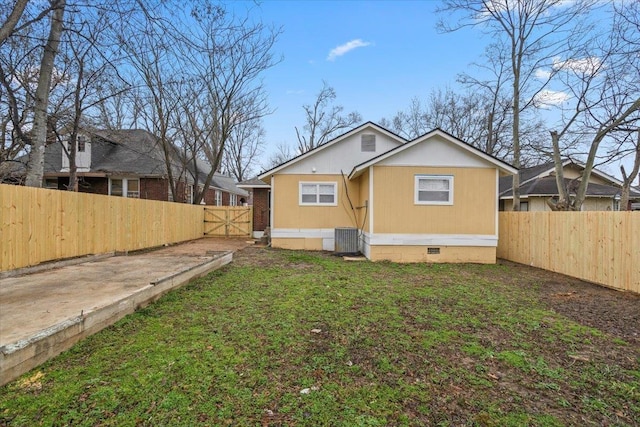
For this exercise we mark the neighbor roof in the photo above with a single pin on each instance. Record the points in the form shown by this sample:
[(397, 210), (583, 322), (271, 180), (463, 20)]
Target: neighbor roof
[(131, 151), (547, 187), (546, 169)]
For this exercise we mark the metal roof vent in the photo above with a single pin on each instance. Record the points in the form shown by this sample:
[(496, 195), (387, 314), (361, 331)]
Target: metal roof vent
[(346, 240)]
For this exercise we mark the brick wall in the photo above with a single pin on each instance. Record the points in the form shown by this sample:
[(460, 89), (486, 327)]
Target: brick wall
[(154, 189), (260, 209)]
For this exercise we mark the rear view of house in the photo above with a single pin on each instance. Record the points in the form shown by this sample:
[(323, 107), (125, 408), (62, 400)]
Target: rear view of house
[(432, 199)]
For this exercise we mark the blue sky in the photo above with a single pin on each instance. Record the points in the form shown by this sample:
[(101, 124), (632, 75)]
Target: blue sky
[(396, 54), (401, 55)]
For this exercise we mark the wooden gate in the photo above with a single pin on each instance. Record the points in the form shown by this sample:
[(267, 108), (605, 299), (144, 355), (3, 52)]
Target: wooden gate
[(228, 221)]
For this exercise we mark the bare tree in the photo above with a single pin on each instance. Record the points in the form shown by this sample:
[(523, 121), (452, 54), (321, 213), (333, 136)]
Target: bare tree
[(29, 47), (149, 42), (35, 166), (324, 120), (627, 179), (283, 154), (245, 144), (534, 32), (481, 119), (231, 60), (604, 101), (12, 20)]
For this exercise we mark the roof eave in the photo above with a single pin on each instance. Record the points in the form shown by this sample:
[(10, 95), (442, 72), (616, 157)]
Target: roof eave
[(273, 171)]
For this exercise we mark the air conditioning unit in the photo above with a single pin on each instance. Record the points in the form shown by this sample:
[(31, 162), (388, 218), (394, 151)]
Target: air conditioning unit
[(346, 240)]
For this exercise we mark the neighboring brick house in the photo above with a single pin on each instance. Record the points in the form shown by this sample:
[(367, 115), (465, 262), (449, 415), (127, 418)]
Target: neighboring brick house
[(259, 198), (130, 163)]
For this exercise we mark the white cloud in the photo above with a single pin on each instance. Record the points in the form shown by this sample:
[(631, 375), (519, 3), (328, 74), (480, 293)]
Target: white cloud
[(294, 92), (345, 48), (585, 65), (542, 74), (548, 98)]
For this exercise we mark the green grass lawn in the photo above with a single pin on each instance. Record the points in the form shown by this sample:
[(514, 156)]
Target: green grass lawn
[(299, 338)]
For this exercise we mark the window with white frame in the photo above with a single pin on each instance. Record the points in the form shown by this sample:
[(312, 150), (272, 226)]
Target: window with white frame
[(218, 198), (318, 193), (124, 187), (233, 200), (434, 190)]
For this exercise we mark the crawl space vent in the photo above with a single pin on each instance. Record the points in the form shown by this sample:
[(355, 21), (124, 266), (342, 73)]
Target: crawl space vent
[(433, 251)]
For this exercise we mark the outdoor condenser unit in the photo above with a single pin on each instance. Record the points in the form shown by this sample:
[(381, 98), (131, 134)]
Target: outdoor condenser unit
[(346, 240)]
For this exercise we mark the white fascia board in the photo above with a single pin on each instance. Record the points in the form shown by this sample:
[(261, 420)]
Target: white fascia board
[(388, 239), (358, 169), (329, 144), (267, 186)]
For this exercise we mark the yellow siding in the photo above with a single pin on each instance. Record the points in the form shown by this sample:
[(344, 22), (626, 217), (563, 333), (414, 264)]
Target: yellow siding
[(363, 211), (289, 214), (309, 244), (448, 254), (473, 210), (600, 247)]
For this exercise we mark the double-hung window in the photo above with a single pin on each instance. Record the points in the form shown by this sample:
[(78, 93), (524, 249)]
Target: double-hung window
[(318, 194), (434, 190), (124, 187), (218, 198)]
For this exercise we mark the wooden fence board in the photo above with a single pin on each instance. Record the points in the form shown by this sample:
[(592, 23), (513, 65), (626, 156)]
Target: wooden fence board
[(600, 247), (38, 225), (228, 221)]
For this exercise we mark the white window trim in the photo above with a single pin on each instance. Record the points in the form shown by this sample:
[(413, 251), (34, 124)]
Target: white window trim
[(318, 184), (217, 198), (233, 200), (125, 187), (415, 191)]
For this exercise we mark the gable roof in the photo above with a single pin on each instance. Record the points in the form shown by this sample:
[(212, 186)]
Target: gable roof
[(133, 152), (547, 186), (336, 140), (548, 169), (505, 167), (127, 151)]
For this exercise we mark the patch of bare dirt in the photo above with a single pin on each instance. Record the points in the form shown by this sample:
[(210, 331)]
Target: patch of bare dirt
[(609, 310)]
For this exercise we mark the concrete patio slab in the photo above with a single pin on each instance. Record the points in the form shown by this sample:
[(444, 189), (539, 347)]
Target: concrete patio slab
[(45, 313)]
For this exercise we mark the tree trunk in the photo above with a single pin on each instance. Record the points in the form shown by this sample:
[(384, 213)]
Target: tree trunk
[(12, 20), (628, 179), (563, 203), (516, 129), (35, 167)]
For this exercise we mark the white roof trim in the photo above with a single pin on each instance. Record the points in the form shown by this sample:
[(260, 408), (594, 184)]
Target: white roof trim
[(334, 141), (359, 169), (253, 186)]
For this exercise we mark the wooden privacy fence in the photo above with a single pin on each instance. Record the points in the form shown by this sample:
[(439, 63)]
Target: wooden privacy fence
[(228, 221), (38, 225), (600, 247)]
